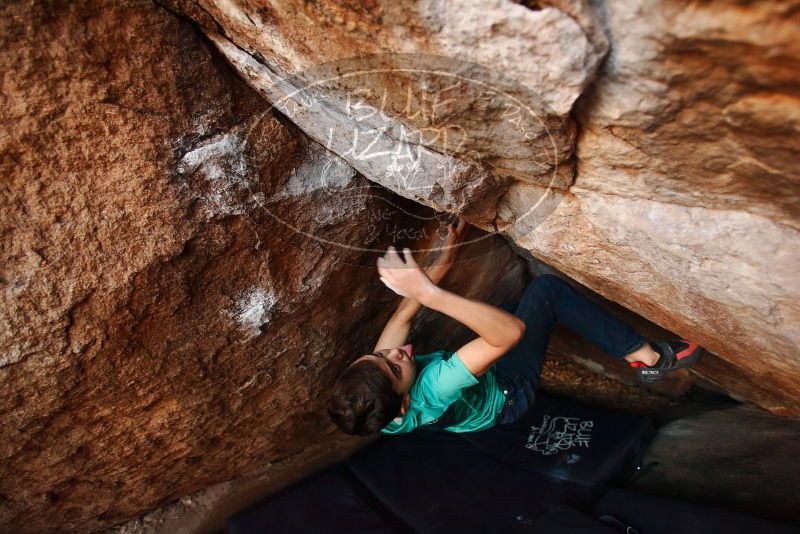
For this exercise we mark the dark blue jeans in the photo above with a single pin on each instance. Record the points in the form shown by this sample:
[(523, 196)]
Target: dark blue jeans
[(546, 301)]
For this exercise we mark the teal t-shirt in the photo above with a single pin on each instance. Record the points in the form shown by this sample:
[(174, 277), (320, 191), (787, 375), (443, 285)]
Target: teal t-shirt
[(443, 380)]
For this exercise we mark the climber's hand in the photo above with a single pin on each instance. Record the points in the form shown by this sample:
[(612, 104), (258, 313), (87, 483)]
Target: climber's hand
[(448, 252), (452, 245), (402, 275)]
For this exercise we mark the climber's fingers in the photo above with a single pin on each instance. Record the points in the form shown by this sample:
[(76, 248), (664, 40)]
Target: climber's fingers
[(408, 258), (462, 224)]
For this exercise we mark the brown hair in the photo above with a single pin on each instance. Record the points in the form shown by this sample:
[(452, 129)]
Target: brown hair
[(363, 400)]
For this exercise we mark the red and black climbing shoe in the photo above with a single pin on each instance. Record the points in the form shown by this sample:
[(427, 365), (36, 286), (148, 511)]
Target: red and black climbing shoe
[(671, 355)]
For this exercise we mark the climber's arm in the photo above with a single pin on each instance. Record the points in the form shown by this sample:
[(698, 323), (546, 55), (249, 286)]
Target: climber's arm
[(395, 333), (498, 329)]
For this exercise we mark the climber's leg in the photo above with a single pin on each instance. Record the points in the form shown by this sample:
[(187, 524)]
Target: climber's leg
[(522, 365), (582, 316), (518, 371), (548, 300)]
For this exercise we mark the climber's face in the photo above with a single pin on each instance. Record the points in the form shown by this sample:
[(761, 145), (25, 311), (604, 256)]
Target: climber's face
[(398, 364)]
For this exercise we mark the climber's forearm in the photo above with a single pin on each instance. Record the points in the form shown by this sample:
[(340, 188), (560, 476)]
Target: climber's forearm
[(406, 310), (495, 326), (437, 271), (408, 307)]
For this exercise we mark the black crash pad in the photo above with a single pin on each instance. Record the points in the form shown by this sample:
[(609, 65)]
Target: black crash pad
[(494, 481), (328, 501), (568, 520), (545, 473), (568, 441), (648, 514), (439, 482)]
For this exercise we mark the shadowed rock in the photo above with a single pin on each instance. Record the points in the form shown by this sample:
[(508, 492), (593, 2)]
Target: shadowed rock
[(673, 192)]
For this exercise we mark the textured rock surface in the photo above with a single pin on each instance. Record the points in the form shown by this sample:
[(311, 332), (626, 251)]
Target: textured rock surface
[(164, 325), (686, 199), (474, 275), (712, 372), (697, 106), (423, 116), (746, 462), (684, 204)]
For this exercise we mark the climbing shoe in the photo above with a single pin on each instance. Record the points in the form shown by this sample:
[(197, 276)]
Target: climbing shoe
[(672, 355)]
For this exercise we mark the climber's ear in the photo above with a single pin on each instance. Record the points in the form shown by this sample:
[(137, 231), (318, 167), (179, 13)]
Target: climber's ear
[(404, 405)]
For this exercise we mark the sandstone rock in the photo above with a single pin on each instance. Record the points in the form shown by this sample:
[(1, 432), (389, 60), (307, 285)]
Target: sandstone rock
[(403, 93), (684, 205), (184, 272), (696, 105), (723, 278), (745, 459)]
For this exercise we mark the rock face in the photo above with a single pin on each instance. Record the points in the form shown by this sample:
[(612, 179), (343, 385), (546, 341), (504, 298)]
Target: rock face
[(737, 474), (184, 272), (672, 192), (685, 203), (466, 131)]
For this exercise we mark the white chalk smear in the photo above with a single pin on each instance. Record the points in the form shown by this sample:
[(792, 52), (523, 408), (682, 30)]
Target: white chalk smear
[(253, 309), (230, 183)]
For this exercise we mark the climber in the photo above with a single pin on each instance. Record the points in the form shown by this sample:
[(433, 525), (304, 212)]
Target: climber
[(490, 380)]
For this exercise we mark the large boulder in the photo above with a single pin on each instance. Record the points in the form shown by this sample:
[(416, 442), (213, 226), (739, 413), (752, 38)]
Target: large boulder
[(672, 192), (402, 90), (744, 454), (686, 202), (184, 272)]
